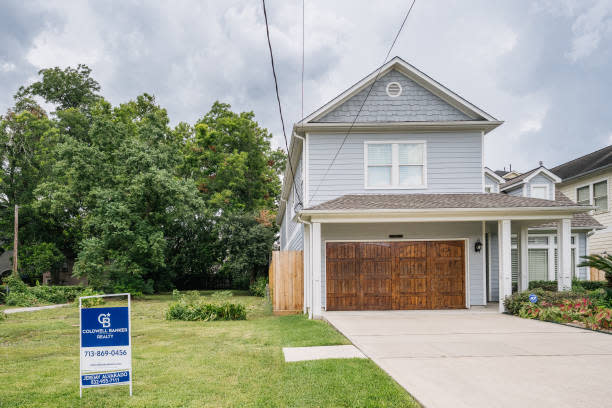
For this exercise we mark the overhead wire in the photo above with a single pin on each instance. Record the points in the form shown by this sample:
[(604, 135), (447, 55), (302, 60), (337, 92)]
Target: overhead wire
[(365, 99), (280, 109)]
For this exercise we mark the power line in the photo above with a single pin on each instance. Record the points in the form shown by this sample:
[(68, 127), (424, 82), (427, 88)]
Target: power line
[(302, 59), (365, 99), (280, 109)]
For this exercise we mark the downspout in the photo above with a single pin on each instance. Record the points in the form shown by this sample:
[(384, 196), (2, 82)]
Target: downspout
[(308, 277)]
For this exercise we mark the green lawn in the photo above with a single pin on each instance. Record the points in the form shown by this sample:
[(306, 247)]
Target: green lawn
[(190, 364)]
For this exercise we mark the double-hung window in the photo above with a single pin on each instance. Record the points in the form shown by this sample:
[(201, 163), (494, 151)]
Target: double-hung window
[(595, 194), (600, 195), (583, 195), (395, 165)]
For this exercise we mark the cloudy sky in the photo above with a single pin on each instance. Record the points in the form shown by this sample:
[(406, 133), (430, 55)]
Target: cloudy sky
[(542, 66)]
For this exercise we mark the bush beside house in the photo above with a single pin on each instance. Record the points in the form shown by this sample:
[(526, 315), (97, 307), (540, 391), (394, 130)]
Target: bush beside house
[(587, 308)]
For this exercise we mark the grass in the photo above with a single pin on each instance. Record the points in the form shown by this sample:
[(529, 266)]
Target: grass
[(190, 364)]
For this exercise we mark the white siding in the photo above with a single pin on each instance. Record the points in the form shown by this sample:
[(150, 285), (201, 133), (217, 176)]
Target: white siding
[(602, 240), (491, 182), (541, 179), (454, 164)]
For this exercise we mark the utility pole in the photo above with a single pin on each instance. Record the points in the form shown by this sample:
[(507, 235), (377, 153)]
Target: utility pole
[(16, 240)]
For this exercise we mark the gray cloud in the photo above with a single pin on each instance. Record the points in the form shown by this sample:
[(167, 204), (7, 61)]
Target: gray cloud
[(541, 66)]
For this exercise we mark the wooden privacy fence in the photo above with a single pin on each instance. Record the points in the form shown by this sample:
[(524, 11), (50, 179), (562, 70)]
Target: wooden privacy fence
[(287, 282)]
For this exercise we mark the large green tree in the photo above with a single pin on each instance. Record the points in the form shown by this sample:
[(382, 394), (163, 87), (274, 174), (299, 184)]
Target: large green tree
[(231, 159), (137, 204)]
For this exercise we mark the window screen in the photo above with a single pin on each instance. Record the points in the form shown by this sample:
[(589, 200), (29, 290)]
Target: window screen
[(582, 195), (600, 196), (379, 164), (538, 264)]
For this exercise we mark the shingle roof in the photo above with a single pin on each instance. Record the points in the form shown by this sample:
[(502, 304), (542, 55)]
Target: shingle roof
[(585, 164), (501, 173), (519, 178), (424, 201), (582, 220)]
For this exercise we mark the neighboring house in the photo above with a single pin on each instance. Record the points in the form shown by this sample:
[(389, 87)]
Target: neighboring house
[(6, 264), (542, 183), (389, 202), (507, 175), (588, 180)]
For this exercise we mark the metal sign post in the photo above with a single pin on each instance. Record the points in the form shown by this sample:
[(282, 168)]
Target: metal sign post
[(105, 337)]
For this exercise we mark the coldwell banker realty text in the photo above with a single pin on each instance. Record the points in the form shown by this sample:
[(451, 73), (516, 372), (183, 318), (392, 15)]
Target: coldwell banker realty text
[(106, 356)]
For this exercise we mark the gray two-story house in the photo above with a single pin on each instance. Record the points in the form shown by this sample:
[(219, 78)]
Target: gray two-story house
[(388, 197)]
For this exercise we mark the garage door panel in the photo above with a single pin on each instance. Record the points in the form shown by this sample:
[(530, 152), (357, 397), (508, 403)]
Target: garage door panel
[(447, 268), (341, 250), (376, 279), (375, 250), (395, 275)]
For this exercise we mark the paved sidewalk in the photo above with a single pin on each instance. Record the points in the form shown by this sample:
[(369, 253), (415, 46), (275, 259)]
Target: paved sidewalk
[(482, 359), (33, 309)]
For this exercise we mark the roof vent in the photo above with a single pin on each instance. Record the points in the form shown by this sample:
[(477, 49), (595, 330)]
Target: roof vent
[(394, 89)]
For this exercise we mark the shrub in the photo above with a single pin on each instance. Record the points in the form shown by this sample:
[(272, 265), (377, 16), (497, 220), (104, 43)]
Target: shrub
[(191, 307), (258, 288), (590, 285), (20, 294), (91, 301), (21, 299), (550, 286), (517, 300), (2, 316), (576, 284)]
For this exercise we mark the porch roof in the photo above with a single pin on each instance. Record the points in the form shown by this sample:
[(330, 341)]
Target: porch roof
[(352, 202)]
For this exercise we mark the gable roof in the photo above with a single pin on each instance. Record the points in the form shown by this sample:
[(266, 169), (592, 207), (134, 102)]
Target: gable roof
[(411, 103), (472, 115), (494, 175), (589, 163), (525, 177)]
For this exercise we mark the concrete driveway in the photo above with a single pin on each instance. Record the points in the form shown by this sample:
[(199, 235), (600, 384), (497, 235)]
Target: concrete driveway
[(482, 358)]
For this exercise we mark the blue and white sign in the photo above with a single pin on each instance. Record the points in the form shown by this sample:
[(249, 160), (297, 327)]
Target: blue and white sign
[(114, 378), (106, 350), (533, 298)]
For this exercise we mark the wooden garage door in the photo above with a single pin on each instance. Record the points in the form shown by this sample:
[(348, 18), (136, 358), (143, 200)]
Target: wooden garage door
[(395, 275)]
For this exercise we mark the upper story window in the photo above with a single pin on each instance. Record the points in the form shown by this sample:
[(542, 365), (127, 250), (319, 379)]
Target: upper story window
[(395, 165), (594, 194), (539, 191)]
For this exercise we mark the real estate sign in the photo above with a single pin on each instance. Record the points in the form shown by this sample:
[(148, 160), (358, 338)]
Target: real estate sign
[(106, 349)]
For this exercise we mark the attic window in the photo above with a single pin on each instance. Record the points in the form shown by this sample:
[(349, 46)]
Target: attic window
[(394, 89)]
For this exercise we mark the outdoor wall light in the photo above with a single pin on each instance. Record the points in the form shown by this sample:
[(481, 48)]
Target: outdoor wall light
[(478, 246)]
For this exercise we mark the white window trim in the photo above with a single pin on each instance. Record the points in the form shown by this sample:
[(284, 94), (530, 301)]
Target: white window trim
[(592, 191), (394, 165), (550, 247), (546, 186)]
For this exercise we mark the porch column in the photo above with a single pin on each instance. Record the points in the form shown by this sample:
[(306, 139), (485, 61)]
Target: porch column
[(307, 280), (523, 283), (316, 269), (564, 254), (505, 262)]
